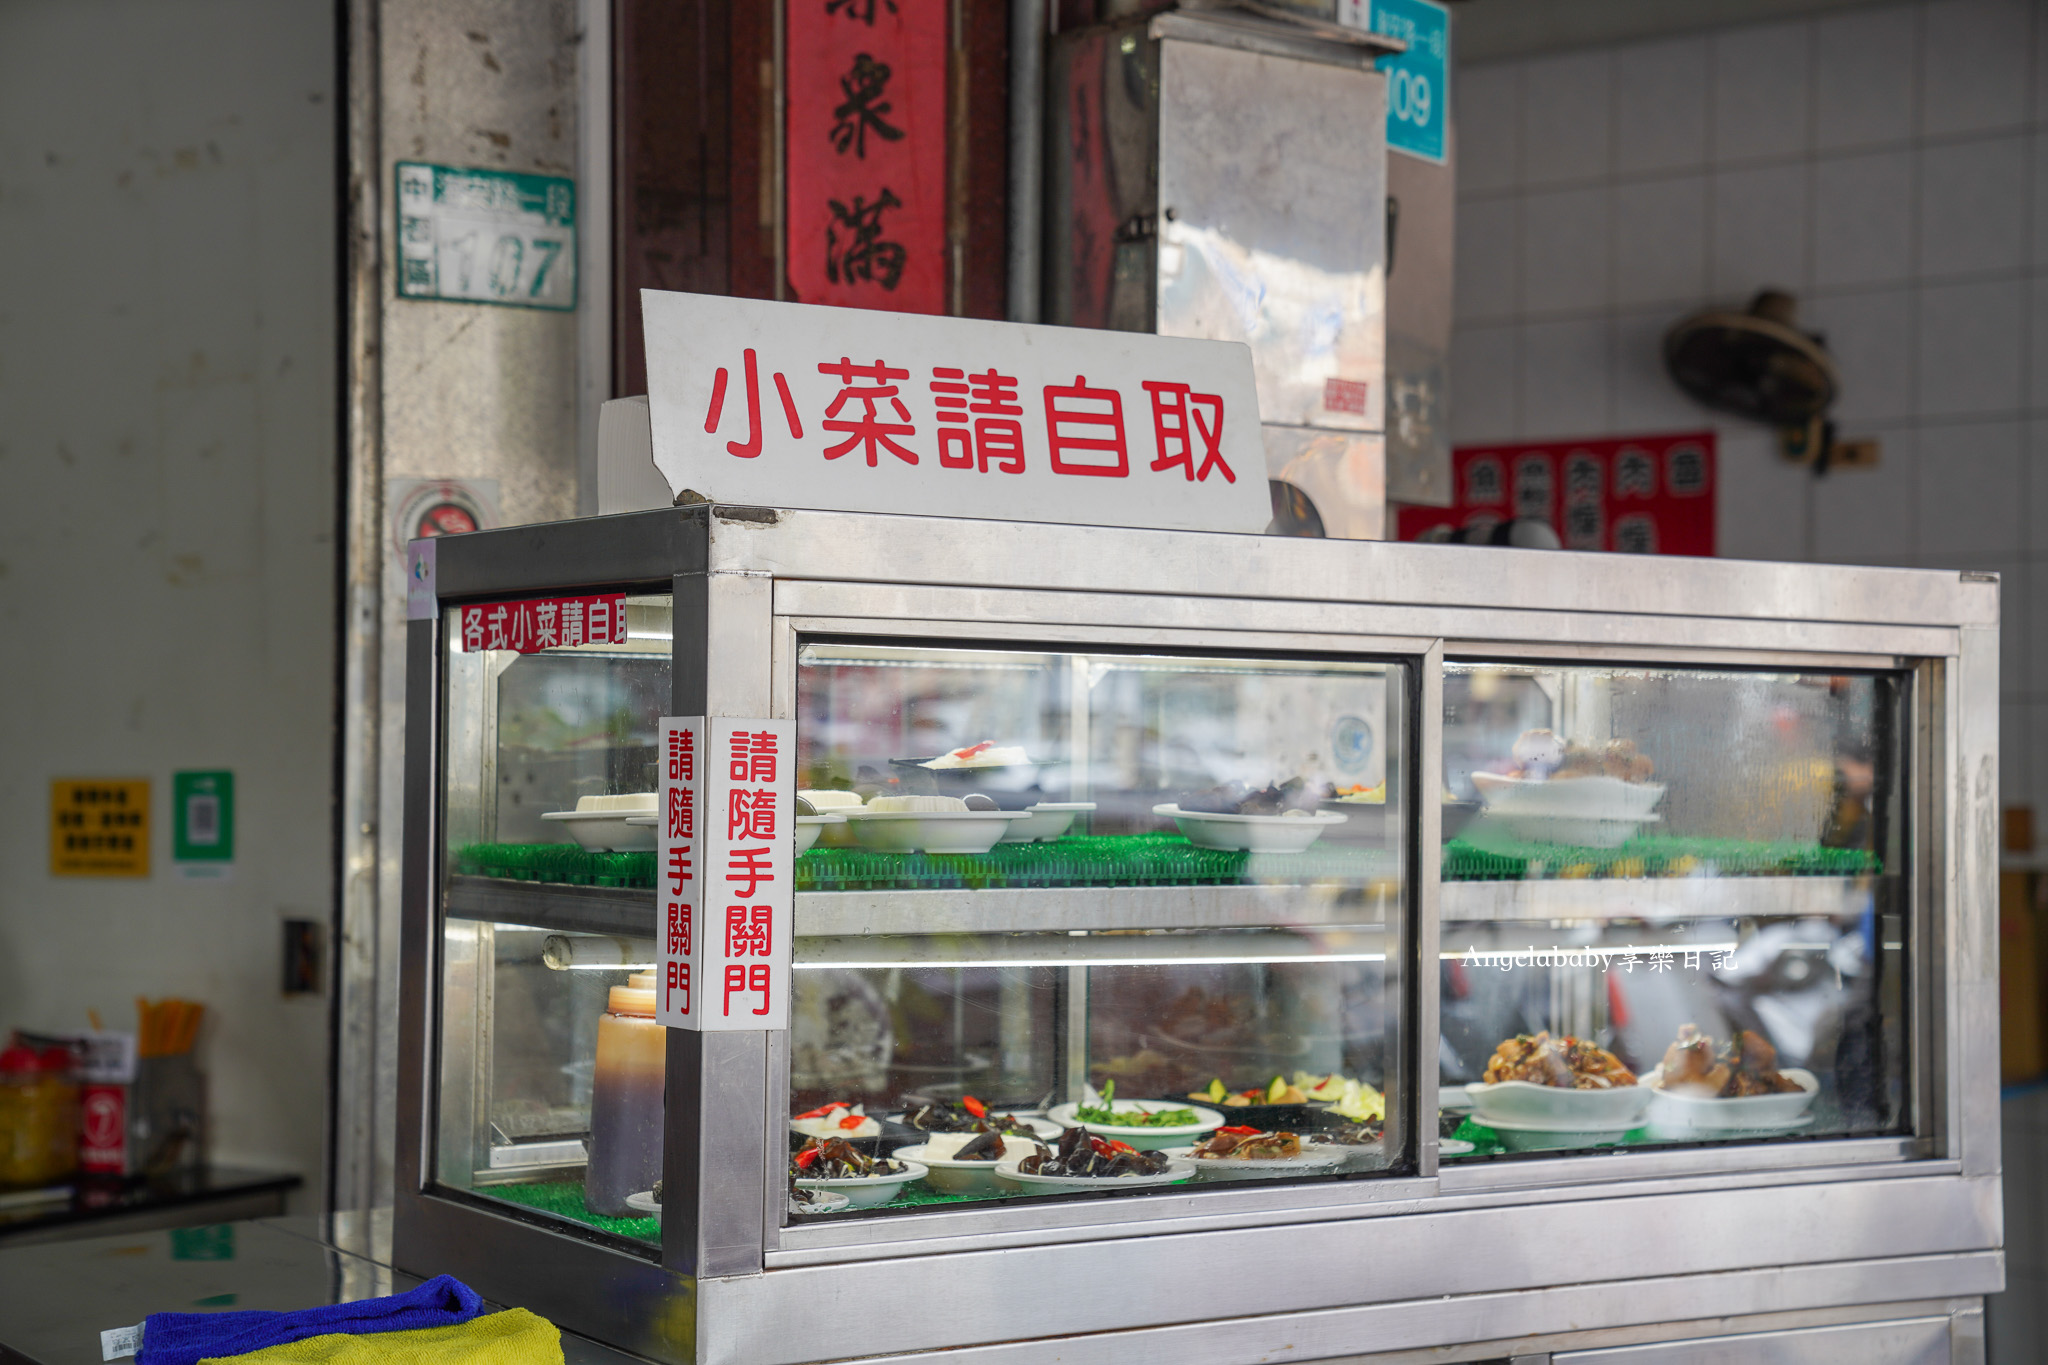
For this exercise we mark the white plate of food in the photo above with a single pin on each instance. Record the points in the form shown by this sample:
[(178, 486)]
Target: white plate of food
[(1048, 820), (1454, 1147), (607, 824), (868, 1191), (1289, 833), (949, 1173), (643, 1204), (1177, 1170), (1578, 1085), (1144, 1137), (1295, 1157), (1521, 1137), (929, 824), (1736, 1088), (1587, 812), (1038, 1127), (836, 1120), (1561, 1111)]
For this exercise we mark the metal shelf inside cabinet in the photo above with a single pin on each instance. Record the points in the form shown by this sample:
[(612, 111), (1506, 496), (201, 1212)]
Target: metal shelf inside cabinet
[(1674, 898), (626, 911), (1080, 947), (1053, 909)]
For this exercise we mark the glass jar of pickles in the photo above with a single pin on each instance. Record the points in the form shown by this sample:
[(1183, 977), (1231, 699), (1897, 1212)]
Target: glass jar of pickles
[(38, 1116)]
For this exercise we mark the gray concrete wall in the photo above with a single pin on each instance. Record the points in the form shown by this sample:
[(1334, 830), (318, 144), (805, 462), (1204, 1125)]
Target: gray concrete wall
[(167, 515)]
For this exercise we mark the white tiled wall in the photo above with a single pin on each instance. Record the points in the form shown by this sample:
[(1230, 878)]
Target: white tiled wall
[(1889, 166)]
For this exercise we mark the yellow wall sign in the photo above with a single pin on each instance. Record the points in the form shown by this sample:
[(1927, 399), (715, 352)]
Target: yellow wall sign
[(99, 827)]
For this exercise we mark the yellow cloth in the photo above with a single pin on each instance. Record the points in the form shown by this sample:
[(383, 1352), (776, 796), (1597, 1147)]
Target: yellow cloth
[(513, 1337)]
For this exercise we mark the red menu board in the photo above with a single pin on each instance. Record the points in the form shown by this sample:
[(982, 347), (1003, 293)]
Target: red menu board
[(866, 153), (1651, 495)]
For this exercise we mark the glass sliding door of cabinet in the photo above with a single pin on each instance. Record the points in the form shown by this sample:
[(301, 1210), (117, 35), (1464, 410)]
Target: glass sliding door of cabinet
[(1080, 924), (1673, 908), (550, 1062)]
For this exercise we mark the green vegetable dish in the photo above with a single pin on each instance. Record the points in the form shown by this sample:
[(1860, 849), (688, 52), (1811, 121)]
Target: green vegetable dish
[(1105, 1114)]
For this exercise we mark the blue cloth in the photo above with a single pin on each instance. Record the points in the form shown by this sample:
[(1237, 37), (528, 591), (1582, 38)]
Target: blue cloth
[(186, 1338)]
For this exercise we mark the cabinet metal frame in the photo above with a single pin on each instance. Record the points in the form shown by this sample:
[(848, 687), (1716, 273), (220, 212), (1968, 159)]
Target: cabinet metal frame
[(1885, 1219)]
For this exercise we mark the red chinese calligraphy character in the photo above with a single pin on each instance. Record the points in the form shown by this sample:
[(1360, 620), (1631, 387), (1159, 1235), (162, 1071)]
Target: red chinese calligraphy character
[(1084, 421), (949, 398), (605, 621), (682, 756), (679, 865), (522, 627), (747, 981), (682, 813), (868, 430), (752, 755), (749, 814), (747, 865), (749, 448), (545, 633), (1172, 406), (496, 622), (678, 929), (472, 628), (679, 983), (998, 435), (572, 622), (748, 930)]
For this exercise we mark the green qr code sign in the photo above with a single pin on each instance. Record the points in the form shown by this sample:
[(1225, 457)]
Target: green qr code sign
[(203, 817), (484, 236)]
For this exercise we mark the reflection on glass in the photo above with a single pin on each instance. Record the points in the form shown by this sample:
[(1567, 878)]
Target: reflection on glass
[(1673, 907), (550, 1096), (1184, 891)]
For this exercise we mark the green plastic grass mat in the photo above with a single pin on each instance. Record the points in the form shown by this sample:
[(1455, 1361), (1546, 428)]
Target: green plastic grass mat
[(569, 863), (1086, 860), (1169, 860), (1653, 857), (564, 1199)]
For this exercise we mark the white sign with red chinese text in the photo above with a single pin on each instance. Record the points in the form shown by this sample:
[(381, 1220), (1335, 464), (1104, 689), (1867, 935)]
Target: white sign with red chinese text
[(794, 405), (540, 623), (726, 870)]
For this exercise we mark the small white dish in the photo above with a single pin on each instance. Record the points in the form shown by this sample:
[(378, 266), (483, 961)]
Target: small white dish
[(644, 1203), (1745, 1113), (1176, 1171), (617, 824), (1519, 1137), (1251, 833), (1326, 1156), (822, 1201), (931, 831), (1144, 1139), (809, 827), (1454, 1147), (950, 1176), (1048, 820), (1553, 1108), (867, 1191), (1585, 812)]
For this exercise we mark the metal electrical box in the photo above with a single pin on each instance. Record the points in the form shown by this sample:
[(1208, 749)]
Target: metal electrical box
[(1222, 175)]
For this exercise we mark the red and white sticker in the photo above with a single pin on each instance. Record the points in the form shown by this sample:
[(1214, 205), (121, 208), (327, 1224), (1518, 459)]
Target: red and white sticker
[(726, 873), (539, 623), (790, 405)]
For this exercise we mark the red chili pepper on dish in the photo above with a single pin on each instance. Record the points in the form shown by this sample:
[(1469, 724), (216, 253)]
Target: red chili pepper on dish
[(822, 1110), (974, 1107), (852, 1121), (807, 1158), (1241, 1129)]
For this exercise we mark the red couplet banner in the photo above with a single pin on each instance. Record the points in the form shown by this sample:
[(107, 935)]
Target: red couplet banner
[(866, 153), (1635, 494)]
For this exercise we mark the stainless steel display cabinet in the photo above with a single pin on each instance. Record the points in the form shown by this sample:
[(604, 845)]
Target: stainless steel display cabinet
[(1612, 938)]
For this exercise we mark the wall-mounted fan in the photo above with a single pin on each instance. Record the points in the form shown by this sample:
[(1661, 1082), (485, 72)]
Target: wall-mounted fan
[(1758, 364)]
